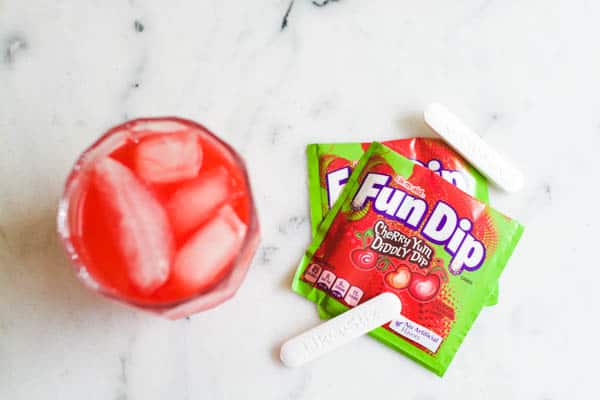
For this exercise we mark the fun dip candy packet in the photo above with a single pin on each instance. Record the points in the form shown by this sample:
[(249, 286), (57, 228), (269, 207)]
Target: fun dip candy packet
[(398, 227), (330, 166)]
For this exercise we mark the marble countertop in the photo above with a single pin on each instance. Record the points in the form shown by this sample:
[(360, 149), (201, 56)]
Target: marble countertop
[(525, 74)]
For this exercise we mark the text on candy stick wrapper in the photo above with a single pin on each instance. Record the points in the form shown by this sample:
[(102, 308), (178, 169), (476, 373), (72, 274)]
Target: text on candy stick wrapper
[(356, 322)]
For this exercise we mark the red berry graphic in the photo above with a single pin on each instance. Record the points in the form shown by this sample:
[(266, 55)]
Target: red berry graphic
[(400, 278), (329, 163), (364, 259), (424, 287), (338, 163)]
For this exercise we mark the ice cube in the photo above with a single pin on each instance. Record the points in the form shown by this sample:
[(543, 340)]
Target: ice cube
[(197, 200), (224, 290), (207, 255), (142, 229), (169, 157)]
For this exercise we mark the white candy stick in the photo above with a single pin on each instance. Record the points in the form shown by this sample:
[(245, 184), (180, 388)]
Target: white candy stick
[(473, 148), (340, 330)]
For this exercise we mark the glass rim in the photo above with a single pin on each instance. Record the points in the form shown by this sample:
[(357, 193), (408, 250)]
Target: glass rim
[(71, 184)]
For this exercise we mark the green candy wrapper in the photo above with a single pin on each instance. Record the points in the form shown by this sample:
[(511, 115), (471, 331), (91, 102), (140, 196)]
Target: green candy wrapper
[(398, 227), (334, 162)]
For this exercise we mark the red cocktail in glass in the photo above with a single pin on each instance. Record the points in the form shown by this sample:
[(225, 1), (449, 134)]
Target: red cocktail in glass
[(158, 213)]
